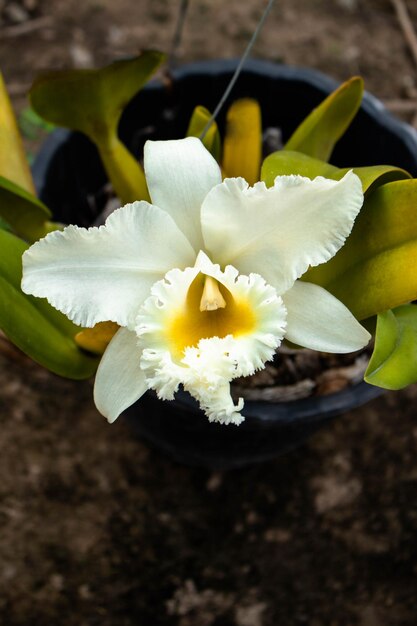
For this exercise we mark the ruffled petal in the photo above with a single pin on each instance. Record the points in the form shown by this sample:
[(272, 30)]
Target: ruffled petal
[(317, 320), (279, 232), (179, 175), (104, 274), (119, 379), (210, 367)]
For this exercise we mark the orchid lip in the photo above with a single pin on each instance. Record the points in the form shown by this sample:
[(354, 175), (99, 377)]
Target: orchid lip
[(205, 350)]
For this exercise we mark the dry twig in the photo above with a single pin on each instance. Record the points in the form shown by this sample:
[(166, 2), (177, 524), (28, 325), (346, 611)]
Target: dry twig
[(407, 26), (18, 89), (9, 32), (401, 106)]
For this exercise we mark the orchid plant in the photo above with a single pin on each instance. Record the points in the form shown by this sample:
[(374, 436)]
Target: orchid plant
[(203, 282), (215, 260)]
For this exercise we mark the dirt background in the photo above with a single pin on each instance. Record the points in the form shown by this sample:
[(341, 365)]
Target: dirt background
[(96, 528)]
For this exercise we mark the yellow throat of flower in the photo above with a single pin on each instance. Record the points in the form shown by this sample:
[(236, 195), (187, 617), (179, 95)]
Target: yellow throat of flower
[(209, 311)]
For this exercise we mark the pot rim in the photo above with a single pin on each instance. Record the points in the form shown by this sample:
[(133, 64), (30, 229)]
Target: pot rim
[(270, 70), (315, 78)]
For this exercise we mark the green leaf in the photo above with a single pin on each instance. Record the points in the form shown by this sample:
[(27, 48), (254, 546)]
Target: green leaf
[(198, 122), (242, 145), (393, 364), (13, 163), (27, 215), (376, 268), (92, 101), (319, 132), (32, 125), (11, 251), (5, 225), (32, 324), (374, 176), (286, 162)]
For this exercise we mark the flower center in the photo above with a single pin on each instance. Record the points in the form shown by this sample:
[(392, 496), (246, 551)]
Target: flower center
[(209, 311), (202, 328)]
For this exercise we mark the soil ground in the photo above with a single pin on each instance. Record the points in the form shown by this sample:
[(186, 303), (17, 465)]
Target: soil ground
[(98, 529)]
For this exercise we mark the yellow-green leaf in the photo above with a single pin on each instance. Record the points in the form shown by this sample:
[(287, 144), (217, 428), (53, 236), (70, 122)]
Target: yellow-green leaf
[(27, 215), (92, 102), (32, 324), (242, 145), (5, 225), (286, 162), (13, 163), (376, 268), (198, 123), (374, 176), (320, 131), (393, 364)]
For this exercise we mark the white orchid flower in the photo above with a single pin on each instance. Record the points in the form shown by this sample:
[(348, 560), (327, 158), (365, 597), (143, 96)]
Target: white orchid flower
[(203, 282)]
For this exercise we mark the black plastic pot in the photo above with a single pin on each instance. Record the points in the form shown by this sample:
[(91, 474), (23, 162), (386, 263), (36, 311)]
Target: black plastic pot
[(70, 178)]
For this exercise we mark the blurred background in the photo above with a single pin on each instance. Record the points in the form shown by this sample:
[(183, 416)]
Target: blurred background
[(98, 529)]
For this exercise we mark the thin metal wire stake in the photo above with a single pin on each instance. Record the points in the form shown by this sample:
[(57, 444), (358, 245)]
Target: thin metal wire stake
[(238, 69), (176, 40)]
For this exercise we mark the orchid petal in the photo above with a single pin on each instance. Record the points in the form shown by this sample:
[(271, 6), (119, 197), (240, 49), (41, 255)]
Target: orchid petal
[(317, 320), (179, 175), (119, 379), (279, 232), (104, 274)]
